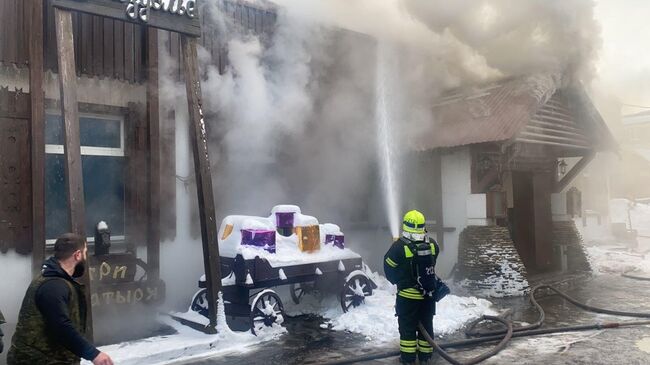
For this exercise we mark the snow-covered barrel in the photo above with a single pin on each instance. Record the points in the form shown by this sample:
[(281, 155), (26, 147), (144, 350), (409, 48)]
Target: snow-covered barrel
[(259, 238), (338, 240), (284, 223), (331, 235), (285, 216)]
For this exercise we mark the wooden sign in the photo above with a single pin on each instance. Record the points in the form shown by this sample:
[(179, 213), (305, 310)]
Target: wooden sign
[(180, 16), (129, 294), (113, 268)]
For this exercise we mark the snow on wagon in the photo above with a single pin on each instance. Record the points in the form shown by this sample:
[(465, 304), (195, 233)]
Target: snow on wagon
[(285, 248)]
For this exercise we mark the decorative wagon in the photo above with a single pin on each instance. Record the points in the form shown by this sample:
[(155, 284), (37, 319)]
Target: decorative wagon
[(286, 248)]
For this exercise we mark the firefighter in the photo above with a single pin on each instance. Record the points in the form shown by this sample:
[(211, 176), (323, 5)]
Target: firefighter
[(410, 264)]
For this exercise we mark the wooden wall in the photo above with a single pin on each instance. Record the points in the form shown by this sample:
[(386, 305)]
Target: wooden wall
[(237, 16), (14, 26), (15, 172), (103, 47), (108, 48)]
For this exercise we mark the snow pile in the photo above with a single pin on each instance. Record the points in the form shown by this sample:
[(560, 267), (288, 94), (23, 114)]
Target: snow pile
[(617, 259), (508, 282), (376, 317), (287, 251), (187, 343), (608, 256), (639, 214)]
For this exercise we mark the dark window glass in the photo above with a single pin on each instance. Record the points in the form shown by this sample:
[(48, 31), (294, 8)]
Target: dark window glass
[(93, 132), (103, 178), (53, 129)]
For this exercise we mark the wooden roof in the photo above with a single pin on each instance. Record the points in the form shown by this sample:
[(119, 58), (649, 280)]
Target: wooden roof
[(526, 109)]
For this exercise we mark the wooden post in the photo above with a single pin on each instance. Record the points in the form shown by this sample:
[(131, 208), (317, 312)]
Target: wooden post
[(199, 140), (153, 117), (71, 146), (575, 170), (37, 133)]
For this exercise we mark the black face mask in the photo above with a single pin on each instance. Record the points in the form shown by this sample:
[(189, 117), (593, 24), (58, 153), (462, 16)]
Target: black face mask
[(79, 270)]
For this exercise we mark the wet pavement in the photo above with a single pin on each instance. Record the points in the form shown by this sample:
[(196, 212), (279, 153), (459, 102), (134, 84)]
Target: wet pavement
[(307, 343)]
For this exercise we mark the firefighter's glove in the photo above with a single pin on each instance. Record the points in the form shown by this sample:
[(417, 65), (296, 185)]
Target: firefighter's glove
[(420, 288), (441, 290)]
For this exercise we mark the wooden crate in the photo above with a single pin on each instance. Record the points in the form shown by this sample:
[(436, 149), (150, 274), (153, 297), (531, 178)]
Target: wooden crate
[(308, 238)]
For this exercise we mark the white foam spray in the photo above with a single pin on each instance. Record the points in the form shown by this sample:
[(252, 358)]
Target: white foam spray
[(385, 105)]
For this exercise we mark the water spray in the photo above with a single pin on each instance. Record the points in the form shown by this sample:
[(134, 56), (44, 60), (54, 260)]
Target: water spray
[(387, 156)]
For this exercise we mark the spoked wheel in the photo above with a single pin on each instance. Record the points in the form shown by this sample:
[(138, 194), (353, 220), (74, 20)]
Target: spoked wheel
[(200, 302), (355, 290), (266, 310), (299, 290)]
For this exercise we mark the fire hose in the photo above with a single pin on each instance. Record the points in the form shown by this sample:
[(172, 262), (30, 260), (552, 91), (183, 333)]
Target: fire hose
[(629, 275), (505, 334)]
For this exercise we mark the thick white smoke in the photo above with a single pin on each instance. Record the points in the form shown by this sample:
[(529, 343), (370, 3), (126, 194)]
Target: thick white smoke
[(292, 118)]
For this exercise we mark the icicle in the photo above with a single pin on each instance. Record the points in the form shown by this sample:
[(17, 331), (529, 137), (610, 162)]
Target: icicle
[(318, 272), (249, 279), (341, 266), (222, 325), (283, 276)]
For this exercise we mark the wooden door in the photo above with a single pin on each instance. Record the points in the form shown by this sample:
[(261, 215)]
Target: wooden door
[(523, 217), (542, 187)]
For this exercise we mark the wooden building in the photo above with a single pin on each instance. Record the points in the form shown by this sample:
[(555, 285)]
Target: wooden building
[(509, 151), (126, 138)]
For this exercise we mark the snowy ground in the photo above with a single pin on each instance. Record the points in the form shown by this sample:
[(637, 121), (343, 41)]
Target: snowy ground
[(375, 320), (609, 255), (374, 325), (609, 258)]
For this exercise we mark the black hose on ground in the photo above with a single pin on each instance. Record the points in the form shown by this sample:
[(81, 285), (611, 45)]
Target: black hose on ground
[(498, 335), (472, 332), (628, 274), (479, 358)]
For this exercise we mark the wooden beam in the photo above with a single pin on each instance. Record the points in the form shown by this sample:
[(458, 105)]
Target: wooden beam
[(71, 147), (37, 95), (199, 140), (575, 170), (153, 117), (486, 181)]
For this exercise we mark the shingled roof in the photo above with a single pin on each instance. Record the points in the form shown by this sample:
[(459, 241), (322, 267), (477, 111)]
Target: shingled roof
[(533, 109)]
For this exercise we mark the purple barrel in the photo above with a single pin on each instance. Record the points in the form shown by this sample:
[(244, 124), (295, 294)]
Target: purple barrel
[(259, 238), (337, 240), (284, 222)]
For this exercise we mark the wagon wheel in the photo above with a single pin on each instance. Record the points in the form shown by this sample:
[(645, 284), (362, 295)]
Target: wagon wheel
[(266, 310), (299, 290), (355, 290), (200, 302)]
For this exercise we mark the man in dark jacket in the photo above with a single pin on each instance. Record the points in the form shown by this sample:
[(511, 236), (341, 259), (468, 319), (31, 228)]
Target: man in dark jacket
[(52, 320), (415, 302)]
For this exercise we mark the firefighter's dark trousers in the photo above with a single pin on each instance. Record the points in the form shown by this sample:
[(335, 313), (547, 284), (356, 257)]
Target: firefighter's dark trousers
[(410, 312)]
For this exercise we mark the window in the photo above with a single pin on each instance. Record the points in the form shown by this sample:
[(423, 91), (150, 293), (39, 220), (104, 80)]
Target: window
[(103, 166), (496, 204)]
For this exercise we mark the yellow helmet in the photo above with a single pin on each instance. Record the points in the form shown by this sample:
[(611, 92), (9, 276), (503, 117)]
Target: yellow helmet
[(413, 222)]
